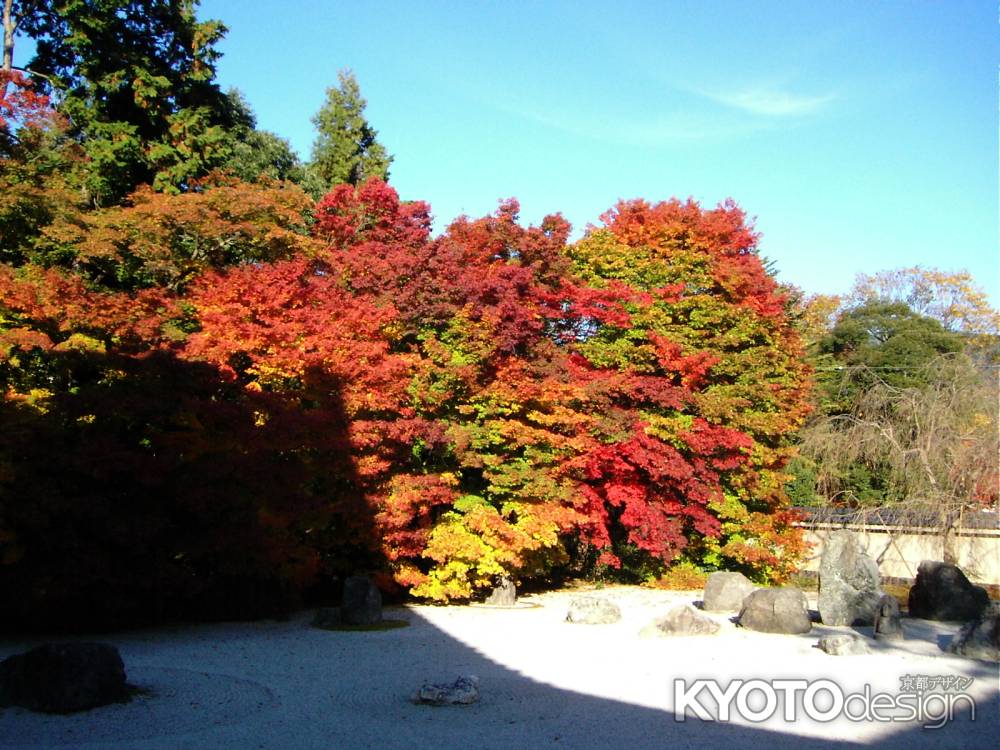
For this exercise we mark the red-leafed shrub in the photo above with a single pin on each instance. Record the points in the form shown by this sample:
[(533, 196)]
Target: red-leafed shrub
[(214, 401)]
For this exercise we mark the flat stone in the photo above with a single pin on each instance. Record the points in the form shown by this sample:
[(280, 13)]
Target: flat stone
[(844, 645), (725, 592), (778, 610), (462, 692), (593, 610), (680, 621), (849, 590)]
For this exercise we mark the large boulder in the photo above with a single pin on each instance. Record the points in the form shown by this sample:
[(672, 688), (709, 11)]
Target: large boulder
[(362, 602), (60, 678), (725, 592), (681, 620), (849, 590), (942, 592), (980, 639), (593, 610), (781, 610), (504, 595)]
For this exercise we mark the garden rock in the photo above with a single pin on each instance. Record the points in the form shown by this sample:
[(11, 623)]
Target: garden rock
[(61, 678), (725, 592), (463, 691), (681, 620), (942, 592), (327, 618), (888, 622), (592, 610), (849, 589), (781, 610), (504, 595), (980, 639), (843, 645), (362, 602)]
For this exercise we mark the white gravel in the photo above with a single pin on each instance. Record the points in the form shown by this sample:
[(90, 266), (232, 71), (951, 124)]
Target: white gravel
[(544, 683)]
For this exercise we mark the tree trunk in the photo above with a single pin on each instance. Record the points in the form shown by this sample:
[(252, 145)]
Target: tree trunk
[(9, 27)]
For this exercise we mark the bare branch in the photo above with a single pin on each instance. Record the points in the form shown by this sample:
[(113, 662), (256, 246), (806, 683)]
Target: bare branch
[(936, 443)]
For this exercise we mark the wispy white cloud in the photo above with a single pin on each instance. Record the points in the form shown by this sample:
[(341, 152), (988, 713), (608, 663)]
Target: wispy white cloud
[(640, 129), (770, 102), (680, 115), (636, 131)]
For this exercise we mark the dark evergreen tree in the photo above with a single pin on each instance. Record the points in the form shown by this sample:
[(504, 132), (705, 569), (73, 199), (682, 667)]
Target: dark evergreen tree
[(137, 82), (258, 153), (346, 149)]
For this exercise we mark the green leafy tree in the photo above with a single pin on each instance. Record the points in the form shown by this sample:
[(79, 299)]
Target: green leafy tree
[(346, 149), (41, 173), (136, 81), (162, 239), (878, 346), (882, 338), (41, 167), (255, 153)]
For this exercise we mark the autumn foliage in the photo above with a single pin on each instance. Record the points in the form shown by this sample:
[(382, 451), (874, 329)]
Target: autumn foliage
[(214, 391)]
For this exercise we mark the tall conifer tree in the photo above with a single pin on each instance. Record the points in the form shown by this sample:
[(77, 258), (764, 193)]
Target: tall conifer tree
[(346, 149)]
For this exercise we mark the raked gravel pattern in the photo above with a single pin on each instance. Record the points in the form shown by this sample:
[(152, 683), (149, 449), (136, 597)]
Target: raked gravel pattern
[(544, 683)]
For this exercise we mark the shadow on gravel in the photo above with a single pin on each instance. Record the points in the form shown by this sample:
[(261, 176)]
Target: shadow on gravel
[(280, 685)]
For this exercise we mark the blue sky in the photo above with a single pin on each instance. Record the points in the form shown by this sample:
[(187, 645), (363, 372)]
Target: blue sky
[(862, 135)]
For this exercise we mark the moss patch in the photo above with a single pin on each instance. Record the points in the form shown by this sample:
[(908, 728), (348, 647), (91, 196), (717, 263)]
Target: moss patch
[(388, 624)]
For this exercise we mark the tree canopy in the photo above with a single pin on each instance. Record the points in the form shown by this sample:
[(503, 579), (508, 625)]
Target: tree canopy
[(136, 81), (228, 378), (257, 153), (880, 366), (346, 149), (490, 402), (951, 298), (887, 339)]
